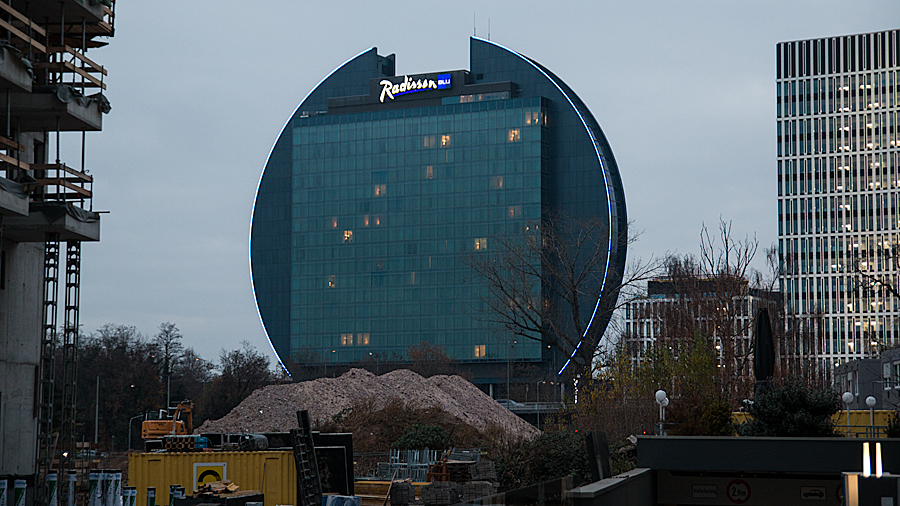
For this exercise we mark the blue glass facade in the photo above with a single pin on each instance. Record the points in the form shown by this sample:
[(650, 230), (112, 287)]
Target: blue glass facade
[(380, 186)]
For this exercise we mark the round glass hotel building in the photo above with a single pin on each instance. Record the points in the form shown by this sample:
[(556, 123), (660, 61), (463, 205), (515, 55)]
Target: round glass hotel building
[(380, 185)]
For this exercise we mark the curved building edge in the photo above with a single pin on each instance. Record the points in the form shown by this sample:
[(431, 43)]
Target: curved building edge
[(297, 110)]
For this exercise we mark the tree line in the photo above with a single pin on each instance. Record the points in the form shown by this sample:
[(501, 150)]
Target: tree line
[(138, 374)]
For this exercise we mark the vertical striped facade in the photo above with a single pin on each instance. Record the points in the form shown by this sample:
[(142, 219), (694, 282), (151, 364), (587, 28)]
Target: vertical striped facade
[(838, 131)]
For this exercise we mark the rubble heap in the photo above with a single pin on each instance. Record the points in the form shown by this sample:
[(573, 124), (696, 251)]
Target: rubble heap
[(273, 408)]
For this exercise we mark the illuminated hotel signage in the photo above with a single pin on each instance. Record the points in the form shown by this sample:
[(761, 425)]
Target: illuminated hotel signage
[(391, 90)]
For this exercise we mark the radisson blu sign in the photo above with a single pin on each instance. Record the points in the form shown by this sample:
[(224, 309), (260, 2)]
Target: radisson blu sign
[(392, 90)]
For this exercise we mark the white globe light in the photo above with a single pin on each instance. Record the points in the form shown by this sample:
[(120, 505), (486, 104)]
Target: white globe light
[(660, 396), (847, 397), (665, 402), (870, 401)]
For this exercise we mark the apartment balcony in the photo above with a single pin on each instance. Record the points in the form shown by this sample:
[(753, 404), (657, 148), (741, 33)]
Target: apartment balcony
[(90, 12), (70, 223), (57, 201), (52, 108)]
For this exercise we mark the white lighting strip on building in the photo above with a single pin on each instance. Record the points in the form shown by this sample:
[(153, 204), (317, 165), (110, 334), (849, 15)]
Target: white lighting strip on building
[(249, 248), (605, 184)]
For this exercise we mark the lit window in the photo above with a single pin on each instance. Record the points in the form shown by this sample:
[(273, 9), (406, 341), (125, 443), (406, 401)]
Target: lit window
[(412, 277), (429, 172), (333, 222), (348, 236), (362, 339), (445, 141), (496, 182), (332, 281), (377, 220), (479, 351), (365, 220), (513, 211), (346, 339), (380, 190), (428, 141), (480, 243), (515, 135)]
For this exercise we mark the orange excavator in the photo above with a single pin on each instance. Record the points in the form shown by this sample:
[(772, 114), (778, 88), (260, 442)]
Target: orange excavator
[(177, 422)]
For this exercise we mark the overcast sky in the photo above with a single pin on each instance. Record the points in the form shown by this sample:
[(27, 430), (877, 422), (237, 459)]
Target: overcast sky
[(684, 91)]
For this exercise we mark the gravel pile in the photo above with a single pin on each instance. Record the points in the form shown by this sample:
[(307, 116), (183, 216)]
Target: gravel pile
[(273, 408)]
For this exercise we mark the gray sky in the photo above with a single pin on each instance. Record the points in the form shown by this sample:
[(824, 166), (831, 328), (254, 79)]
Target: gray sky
[(684, 91)]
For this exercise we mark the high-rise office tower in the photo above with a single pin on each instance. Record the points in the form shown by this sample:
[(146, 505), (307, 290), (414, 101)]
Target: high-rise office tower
[(838, 187)]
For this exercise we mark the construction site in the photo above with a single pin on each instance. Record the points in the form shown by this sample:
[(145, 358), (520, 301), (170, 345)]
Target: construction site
[(52, 84)]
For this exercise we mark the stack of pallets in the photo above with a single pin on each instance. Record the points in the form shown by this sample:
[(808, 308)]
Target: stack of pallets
[(459, 472), (475, 489), (440, 493), (484, 471), (402, 493)]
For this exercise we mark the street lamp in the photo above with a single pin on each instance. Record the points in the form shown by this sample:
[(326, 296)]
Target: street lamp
[(847, 398), (129, 428), (663, 400), (871, 401)]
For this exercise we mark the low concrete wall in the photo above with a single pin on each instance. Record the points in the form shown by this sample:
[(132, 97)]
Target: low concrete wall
[(633, 488), (762, 454)]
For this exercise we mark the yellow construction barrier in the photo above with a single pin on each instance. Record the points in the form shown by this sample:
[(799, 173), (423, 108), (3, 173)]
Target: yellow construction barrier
[(860, 422)]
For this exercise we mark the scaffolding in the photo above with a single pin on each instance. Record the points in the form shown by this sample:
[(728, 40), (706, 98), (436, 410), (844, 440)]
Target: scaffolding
[(45, 47), (46, 450)]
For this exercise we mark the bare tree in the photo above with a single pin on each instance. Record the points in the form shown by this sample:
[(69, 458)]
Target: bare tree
[(708, 299), (169, 350), (430, 360), (546, 284), (798, 336), (242, 372), (190, 375)]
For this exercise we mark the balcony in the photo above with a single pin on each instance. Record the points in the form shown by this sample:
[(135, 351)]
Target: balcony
[(45, 198), (58, 107), (71, 223), (91, 12)]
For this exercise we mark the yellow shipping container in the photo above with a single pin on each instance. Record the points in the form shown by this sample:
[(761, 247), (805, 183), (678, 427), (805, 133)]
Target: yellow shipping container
[(271, 472)]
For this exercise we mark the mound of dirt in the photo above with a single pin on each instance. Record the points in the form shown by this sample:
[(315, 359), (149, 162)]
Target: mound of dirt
[(273, 408)]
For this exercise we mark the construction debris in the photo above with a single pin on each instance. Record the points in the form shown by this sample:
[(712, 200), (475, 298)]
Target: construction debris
[(273, 408), (217, 487)]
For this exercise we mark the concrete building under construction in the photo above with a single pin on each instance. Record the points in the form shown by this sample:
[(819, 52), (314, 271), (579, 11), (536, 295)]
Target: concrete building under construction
[(50, 89)]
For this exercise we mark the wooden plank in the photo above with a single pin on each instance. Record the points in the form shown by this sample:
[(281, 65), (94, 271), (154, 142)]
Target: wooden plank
[(81, 56), (23, 37), (11, 143), (56, 197), (85, 74), (66, 184), (65, 66), (61, 166), (12, 161), (24, 19)]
